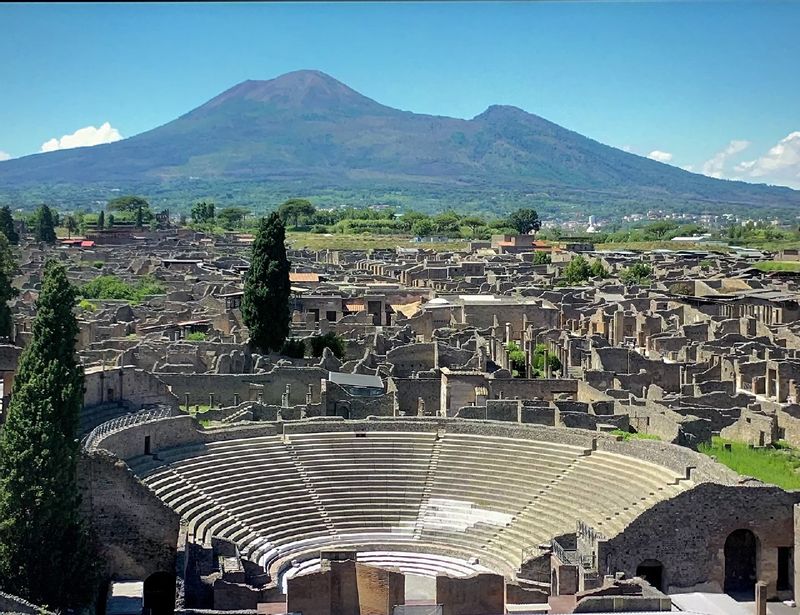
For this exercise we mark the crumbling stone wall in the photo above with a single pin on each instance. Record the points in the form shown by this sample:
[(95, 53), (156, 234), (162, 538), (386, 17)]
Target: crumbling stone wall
[(687, 535), (136, 533)]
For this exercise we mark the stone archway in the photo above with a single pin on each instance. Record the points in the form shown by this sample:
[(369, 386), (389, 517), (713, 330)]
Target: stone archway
[(741, 561), (652, 571), (159, 594)]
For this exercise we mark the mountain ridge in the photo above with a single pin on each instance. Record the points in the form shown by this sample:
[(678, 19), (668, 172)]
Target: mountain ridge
[(307, 127)]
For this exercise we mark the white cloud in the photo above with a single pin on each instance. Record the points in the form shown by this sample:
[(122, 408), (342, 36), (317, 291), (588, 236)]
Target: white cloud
[(660, 156), (688, 167), (83, 137), (715, 166), (4, 156), (780, 165)]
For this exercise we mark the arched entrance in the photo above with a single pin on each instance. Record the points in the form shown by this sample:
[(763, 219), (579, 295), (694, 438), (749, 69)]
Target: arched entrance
[(741, 555), (652, 571), (159, 594)]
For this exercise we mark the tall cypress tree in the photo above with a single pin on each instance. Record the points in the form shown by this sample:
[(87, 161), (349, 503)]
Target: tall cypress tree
[(45, 226), (7, 225), (44, 549), (101, 220), (7, 291), (265, 305)]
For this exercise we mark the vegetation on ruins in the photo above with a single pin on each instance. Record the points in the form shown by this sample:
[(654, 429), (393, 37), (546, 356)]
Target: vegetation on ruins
[(579, 270), (318, 343), (44, 225), (265, 305), (768, 266), (633, 435), (638, 273), (45, 552), (7, 225), (542, 258), (778, 464), (516, 356), (541, 358), (101, 219), (294, 348), (197, 336), (112, 287)]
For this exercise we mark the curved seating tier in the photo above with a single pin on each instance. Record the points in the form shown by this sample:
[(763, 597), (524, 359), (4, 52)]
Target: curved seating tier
[(283, 498)]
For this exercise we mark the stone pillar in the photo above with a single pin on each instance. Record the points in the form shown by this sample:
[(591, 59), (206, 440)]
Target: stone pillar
[(210, 400), (309, 393), (761, 598), (420, 406), (235, 399), (285, 396), (186, 399)]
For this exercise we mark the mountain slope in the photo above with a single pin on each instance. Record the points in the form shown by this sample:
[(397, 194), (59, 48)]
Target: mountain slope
[(307, 127)]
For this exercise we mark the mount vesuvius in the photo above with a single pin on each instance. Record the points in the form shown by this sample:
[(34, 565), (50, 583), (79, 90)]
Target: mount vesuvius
[(305, 131)]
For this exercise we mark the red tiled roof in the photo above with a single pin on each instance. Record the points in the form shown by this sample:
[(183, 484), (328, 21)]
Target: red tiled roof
[(303, 276)]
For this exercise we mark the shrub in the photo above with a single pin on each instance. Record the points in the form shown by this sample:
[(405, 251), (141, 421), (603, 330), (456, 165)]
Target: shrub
[(319, 343), (197, 336), (87, 305), (111, 287), (294, 348), (638, 273), (98, 264), (517, 358)]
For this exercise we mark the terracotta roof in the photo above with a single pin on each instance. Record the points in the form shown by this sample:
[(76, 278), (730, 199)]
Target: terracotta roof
[(303, 276), (355, 307)]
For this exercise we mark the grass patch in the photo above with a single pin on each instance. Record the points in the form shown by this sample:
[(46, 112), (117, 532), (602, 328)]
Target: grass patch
[(197, 336), (627, 435), (195, 409), (768, 266), (366, 241), (776, 465)]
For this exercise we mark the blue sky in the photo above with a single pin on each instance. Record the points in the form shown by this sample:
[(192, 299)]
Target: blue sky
[(710, 86)]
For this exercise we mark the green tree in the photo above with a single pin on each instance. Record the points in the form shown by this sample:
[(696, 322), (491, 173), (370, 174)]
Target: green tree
[(577, 271), (110, 220), (203, 213), (423, 227), (542, 258), (45, 553), (265, 305), (295, 209), (7, 292), (319, 343), (638, 273), (525, 221), (597, 270), (231, 217), (71, 225), (44, 226), (101, 220), (516, 357), (542, 358), (7, 225)]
